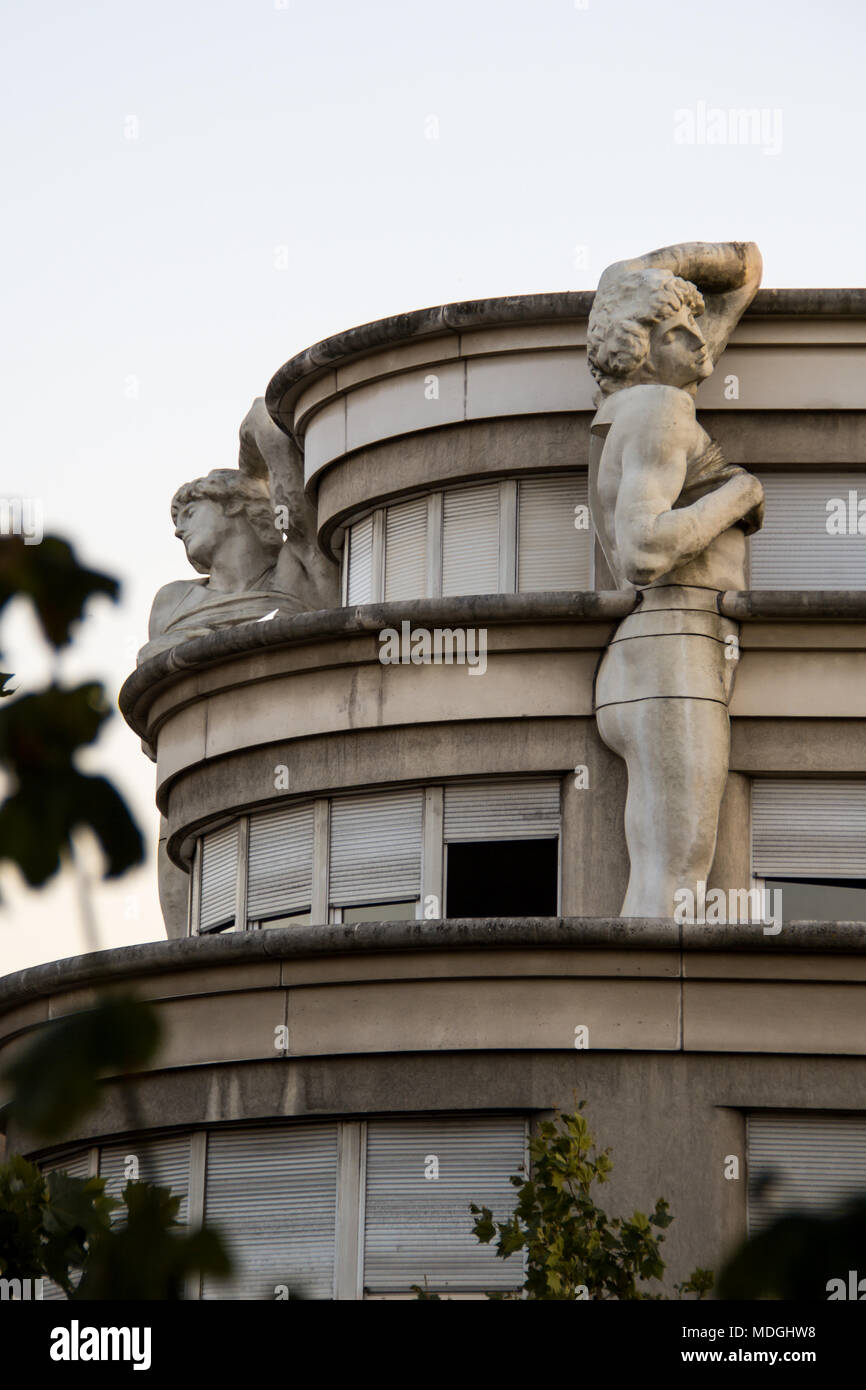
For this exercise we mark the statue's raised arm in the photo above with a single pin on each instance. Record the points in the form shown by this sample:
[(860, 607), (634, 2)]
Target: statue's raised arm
[(726, 274)]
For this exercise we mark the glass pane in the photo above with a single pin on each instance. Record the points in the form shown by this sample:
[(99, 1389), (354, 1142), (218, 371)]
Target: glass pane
[(816, 901), (217, 931), (381, 912), (294, 919)]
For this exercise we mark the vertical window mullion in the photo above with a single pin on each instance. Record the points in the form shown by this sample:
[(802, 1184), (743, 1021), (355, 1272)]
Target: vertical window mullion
[(349, 1230), (377, 573), (434, 545), (194, 914), (321, 848), (508, 536), (243, 859), (195, 1200), (432, 853)]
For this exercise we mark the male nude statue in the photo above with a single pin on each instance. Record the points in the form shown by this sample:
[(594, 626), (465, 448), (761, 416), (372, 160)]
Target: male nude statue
[(672, 519)]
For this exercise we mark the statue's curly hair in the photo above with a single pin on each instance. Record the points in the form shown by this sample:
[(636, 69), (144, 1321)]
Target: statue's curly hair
[(235, 492), (622, 314)]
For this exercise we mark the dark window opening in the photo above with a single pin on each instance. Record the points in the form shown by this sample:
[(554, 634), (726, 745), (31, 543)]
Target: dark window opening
[(820, 899), (502, 878)]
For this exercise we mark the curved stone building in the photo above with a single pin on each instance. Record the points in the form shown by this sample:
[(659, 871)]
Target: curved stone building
[(393, 838)]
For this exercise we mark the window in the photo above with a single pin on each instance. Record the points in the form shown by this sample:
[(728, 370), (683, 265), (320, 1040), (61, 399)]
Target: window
[(281, 864), (795, 549), (502, 878), (272, 1192), (809, 1163), (421, 1176), (502, 848), (375, 850), (383, 856), (519, 535), (336, 1208), (809, 843), (219, 873)]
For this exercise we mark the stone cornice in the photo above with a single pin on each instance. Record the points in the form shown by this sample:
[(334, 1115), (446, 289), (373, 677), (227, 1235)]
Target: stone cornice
[(466, 315), (127, 963)]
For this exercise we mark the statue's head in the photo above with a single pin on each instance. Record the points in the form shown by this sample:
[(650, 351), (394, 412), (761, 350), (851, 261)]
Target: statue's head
[(213, 509), (643, 328)]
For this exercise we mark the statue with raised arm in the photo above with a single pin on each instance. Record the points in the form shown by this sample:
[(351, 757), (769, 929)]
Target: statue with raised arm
[(252, 533), (672, 519)]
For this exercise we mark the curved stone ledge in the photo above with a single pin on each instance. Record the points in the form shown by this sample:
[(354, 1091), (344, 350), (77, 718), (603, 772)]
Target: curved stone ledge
[(510, 309), (139, 690), (626, 934), (586, 605), (820, 605)]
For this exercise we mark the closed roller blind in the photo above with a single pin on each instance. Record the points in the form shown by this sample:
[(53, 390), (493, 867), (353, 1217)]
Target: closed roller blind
[(406, 550), (495, 811), (419, 1227), (161, 1162), (280, 862), (361, 562), (807, 1163), (808, 829), (376, 848), (470, 541), (272, 1193), (219, 873), (77, 1165), (551, 552), (793, 549)]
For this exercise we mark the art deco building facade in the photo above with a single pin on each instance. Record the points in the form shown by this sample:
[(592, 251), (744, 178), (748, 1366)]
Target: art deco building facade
[(393, 885)]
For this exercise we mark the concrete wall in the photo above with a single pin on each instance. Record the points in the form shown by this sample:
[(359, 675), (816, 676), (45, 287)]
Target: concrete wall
[(688, 1030)]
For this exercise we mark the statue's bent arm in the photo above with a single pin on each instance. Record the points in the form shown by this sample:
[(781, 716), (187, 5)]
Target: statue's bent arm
[(653, 438), (727, 273)]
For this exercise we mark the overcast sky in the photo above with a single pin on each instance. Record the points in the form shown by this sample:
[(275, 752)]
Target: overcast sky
[(196, 191)]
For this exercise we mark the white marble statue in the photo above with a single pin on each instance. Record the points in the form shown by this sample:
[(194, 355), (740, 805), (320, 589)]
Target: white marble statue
[(672, 519), (251, 533)]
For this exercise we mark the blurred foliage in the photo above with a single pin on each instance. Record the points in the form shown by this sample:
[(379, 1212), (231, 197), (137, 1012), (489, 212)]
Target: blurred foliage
[(59, 1226), (798, 1256), (51, 577), (47, 1222), (41, 732), (574, 1250), (56, 1080), (149, 1256)]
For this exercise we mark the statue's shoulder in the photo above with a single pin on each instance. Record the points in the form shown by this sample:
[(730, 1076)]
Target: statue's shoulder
[(168, 599), (646, 403)]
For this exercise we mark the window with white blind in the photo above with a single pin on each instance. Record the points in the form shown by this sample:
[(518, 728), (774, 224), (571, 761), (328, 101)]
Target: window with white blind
[(219, 874), (804, 1163), (375, 850), (470, 541), (378, 855), (336, 1208), (554, 546), (518, 535), (359, 556), (272, 1194), (162, 1162), (813, 535), (280, 865), (809, 845), (421, 1177), (406, 549)]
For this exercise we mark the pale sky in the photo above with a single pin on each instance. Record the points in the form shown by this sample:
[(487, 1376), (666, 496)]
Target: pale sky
[(158, 158)]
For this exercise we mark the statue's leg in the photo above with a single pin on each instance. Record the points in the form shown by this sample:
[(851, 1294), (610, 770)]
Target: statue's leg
[(676, 751)]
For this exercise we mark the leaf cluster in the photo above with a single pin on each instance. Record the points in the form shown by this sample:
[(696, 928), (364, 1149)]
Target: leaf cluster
[(574, 1250)]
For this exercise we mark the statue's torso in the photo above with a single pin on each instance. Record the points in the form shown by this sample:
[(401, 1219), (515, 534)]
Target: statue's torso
[(722, 565)]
